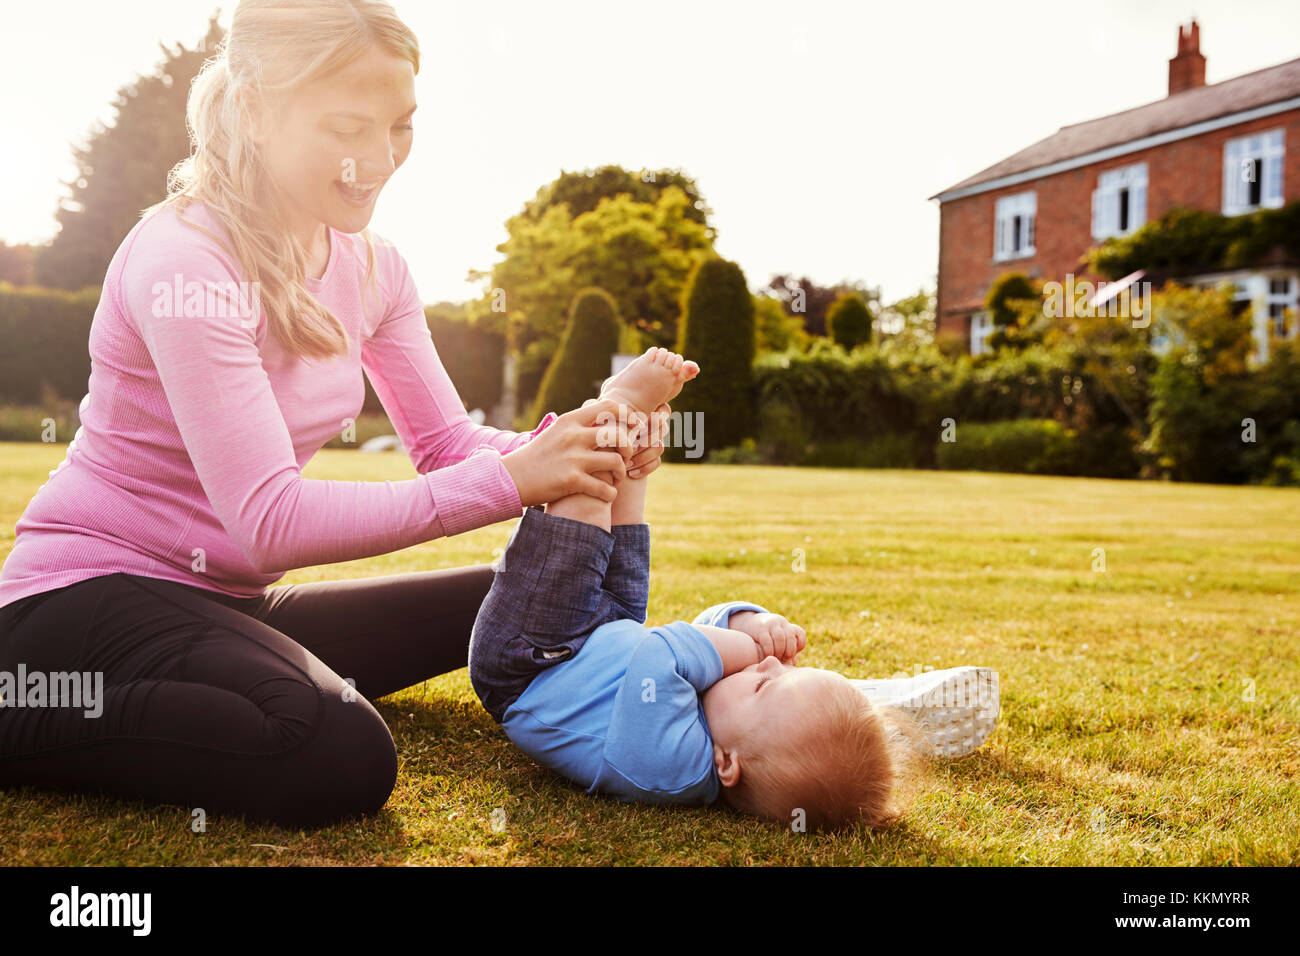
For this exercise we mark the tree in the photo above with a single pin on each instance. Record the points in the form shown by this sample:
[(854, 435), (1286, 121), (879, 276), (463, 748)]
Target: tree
[(582, 361), (776, 329), (804, 298), (717, 330), (1006, 289), (641, 254), (17, 264), (848, 321), (123, 167), (1014, 304), (583, 191), (1202, 392), (909, 322)]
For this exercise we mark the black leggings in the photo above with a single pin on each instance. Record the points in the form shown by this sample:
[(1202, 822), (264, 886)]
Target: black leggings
[(232, 705)]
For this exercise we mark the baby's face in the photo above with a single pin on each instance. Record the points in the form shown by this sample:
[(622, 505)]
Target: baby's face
[(763, 702)]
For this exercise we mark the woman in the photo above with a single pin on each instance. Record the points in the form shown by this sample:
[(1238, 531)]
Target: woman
[(227, 348)]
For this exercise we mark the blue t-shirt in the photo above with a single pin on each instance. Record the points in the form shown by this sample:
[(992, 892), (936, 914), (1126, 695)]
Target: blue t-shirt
[(624, 715)]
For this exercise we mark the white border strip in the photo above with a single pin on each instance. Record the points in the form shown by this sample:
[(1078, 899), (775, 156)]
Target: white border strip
[(1122, 149)]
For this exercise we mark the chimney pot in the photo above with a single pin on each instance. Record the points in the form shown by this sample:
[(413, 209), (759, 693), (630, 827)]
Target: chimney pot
[(1187, 68)]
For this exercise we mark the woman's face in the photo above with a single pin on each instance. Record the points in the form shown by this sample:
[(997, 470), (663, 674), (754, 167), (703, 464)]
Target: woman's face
[(335, 142)]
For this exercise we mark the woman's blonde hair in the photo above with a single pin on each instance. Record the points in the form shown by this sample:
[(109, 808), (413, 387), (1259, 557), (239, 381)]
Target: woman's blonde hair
[(273, 46)]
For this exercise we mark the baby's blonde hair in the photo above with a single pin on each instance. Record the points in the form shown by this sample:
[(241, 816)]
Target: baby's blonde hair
[(273, 47), (847, 762)]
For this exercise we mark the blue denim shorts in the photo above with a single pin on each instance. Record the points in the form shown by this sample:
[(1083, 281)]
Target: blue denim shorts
[(558, 581)]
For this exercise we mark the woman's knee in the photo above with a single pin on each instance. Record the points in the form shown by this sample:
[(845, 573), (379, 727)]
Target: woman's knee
[(346, 770)]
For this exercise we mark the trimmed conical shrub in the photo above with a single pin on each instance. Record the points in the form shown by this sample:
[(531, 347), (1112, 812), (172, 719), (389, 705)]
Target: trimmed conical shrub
[(848, 321), (716, 330), (582, 360)]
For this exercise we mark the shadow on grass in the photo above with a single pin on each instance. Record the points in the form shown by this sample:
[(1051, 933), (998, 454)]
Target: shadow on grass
[(466, 794)]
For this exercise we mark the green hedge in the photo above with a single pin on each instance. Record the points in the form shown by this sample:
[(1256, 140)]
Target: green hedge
[(848, 403), (1187, 240), (46, 336), (1034, 446), (46, 354), (1113, 412), (472, 354)]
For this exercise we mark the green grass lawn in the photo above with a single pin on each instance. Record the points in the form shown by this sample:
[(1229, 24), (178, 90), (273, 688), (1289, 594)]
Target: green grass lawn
[(1150, 712)]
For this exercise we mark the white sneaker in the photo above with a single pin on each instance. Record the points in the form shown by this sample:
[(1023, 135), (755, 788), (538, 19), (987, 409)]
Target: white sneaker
[(957, 707)]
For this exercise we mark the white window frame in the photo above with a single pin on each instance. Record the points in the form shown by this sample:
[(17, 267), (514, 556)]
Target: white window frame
[(1255, 288), (981, 327), (1014, 238), (1240, 156), (1288, 298), (1107, 201)]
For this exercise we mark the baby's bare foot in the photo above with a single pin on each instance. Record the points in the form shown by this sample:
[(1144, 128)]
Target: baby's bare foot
[(655, 377)]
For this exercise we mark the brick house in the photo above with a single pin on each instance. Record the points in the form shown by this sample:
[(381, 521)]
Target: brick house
[(1233, 147)]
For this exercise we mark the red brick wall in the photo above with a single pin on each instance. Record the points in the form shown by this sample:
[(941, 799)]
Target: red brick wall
[(1187, 172)]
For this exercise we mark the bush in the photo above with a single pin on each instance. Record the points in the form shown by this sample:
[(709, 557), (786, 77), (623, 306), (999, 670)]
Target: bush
[(848, 321), (783, 437), (875, 391), (1034, 446), (471, 352), (775, 329), (27, 422), (1202, 389), (746, 453), (1283, 471), (883, 451), (582, 361), (1016, 307), (1008, 288), (45, 334), (1194, 240), (1273, 403), (717, 330)]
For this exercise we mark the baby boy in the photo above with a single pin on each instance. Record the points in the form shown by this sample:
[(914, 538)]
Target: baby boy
[(674, 713)]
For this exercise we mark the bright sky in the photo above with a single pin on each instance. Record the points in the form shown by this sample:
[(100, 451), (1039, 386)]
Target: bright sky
[(815, 129)]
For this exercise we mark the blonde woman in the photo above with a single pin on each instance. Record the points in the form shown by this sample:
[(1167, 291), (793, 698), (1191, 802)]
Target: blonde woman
[(229, 344)]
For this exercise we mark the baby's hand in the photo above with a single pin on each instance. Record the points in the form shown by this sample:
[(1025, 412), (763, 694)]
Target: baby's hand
[(772, 634)]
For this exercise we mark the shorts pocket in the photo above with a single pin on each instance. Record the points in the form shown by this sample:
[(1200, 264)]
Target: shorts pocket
[(526, 656)]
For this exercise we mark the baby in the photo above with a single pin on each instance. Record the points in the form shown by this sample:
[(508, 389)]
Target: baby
[(679, 712)]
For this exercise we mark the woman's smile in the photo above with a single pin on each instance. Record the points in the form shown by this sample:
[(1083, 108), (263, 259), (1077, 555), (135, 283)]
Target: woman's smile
[(359, 195)]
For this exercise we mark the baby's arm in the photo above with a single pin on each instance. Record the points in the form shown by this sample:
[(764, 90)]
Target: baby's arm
[(772, 633), (767, 633), (736, 648)]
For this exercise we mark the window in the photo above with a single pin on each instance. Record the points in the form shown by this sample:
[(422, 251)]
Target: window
[(1014, 234), (1282, 295), (1252, 172), (1119, 203), (1266, 299), (981, 326)]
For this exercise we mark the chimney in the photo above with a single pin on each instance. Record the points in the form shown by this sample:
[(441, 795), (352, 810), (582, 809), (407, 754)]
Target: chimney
[(1187, 69)]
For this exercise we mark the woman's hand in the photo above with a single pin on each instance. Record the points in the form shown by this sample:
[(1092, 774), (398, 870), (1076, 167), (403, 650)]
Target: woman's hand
[(565, 458), (651, 448), (644, 435)]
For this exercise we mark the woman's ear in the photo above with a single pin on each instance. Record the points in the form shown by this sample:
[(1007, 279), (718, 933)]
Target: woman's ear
[(257, 116)]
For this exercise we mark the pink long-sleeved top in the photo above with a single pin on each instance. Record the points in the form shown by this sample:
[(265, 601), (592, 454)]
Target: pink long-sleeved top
[(196, 426)]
